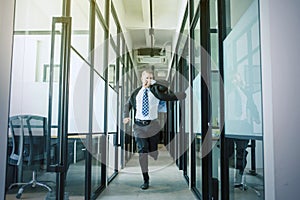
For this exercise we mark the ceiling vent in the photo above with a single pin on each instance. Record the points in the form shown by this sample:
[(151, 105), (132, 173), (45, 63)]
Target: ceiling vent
[(151, 56), (152, 60)]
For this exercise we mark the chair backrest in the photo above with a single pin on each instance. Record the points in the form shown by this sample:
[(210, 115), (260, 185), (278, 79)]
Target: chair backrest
[(29, 136)]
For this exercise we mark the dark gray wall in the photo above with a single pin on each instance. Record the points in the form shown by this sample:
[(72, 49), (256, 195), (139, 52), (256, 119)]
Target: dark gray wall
[(6, 34), (280, 42)]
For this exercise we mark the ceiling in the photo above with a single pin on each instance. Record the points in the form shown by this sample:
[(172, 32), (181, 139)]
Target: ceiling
[(135, 17)]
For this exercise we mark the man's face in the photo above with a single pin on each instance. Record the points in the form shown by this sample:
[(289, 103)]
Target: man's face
[(146, 79)]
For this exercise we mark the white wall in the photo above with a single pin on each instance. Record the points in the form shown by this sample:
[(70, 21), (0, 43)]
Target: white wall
[(6, 30), (280, 44)]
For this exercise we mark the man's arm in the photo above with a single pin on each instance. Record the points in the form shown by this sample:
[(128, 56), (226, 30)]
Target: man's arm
[(162, 92), (129, 105), (127, 108)]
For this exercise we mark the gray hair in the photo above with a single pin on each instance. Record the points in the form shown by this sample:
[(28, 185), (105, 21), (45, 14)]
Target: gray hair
[(148, 71)]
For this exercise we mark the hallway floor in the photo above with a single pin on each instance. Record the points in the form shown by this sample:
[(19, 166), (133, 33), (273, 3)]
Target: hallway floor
[(166, 181)]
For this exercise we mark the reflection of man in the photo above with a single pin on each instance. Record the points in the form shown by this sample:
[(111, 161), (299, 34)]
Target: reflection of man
[(241, 114), (145, 101)]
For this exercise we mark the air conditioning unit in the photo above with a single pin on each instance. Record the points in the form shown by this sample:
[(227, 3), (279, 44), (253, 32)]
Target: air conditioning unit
[(151, 59), (150, 56)]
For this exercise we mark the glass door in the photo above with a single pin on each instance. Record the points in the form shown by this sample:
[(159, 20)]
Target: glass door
[(29, 101), (243, 138), (58, 71), (54, 77)]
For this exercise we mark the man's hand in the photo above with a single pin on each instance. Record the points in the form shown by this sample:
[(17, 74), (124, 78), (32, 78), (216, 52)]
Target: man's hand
[(126, 120)]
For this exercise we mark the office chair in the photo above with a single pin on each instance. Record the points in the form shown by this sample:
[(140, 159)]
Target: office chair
[(29, 136), (243, 184)]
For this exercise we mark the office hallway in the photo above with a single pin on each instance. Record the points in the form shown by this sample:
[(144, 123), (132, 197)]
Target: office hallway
[(166, 181)]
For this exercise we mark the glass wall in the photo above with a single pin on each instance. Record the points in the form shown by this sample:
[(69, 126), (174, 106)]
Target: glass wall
[(86, 135), (216, 80), (89, 134), (243, 118), (29, 89), (197, 105)]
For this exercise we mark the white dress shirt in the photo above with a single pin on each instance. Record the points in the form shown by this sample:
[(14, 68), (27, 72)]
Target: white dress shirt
[(153, 105)]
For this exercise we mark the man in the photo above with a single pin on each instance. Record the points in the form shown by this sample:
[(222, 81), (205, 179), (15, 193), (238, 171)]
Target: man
[(240, 122), (144, 101)]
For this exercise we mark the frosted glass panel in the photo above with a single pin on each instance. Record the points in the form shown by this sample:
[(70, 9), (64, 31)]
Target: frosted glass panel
[(79, 97), (33, 15), (242, 77), (112, 107), (98, 116), (80, 26)]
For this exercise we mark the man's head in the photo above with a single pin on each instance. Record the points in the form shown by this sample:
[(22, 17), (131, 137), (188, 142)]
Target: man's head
[(147, 77)]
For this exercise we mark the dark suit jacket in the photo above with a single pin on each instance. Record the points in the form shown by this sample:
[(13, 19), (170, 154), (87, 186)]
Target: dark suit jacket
[(159, 90)]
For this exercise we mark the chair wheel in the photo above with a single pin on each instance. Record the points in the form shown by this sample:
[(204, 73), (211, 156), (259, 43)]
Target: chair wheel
[(18, 196)]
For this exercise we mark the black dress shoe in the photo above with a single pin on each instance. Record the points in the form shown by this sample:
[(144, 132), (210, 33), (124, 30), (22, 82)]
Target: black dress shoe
[(145, 186)]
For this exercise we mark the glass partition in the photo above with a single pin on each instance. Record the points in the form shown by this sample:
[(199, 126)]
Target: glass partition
[(101, 5), (112, 79), (197, 104), (79, 97), (31, 57), (30, 87), (79, 101), (113, 28), (243, 118), (98, 136), (30, 90), (99, 46), (195, 5), (215, 99), (113, 133), (242, 75), (80, 26), (181, 80)]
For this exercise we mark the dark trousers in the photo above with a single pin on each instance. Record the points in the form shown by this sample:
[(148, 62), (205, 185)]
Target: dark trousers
[(147, 139), (241, 152)]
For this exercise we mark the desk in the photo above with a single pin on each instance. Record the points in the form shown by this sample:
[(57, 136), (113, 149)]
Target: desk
[(245, 137), (75, 150), (252, 145), (252, 138)]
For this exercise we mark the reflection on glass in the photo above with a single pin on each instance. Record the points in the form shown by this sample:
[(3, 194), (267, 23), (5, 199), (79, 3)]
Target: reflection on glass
[(243, 109), (197, 129), (242, 77), (112, 66)]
